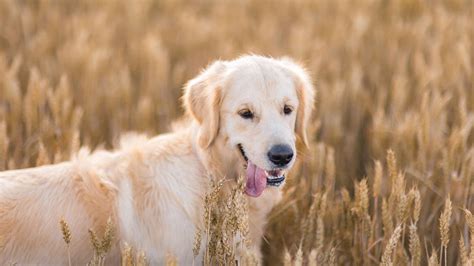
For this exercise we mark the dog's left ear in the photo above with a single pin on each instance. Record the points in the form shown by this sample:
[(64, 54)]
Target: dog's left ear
[(306, 97), (202, 100)]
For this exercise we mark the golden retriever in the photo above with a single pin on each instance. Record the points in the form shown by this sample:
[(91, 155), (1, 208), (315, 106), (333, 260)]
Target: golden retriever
[(244, 118)]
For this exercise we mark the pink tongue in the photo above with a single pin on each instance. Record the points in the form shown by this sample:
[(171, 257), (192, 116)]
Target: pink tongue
[(256, 180)]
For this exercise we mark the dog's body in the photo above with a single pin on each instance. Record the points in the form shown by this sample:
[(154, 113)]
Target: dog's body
[(153, 189)]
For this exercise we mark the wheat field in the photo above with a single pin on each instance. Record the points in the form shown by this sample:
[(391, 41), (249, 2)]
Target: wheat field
[(389, 176)]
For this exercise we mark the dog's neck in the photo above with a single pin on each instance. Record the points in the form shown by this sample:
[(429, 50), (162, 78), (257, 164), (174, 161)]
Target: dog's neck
[(216, 159)]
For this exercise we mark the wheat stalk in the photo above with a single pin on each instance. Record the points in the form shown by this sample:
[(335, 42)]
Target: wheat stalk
[(171, 260), (127, 255), (444, 221), (470, 222), (416, 204), (433, 260), (66, 237), (377, 179), (102, 246), (463, 252), (414, 245), (96, 260), (392, 165), (329, 170), (108, 237), (332, 260), (392, 244), (386, 218)]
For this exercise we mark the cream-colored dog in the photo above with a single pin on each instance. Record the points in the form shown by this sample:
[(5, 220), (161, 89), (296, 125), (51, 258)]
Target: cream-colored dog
[(245, 117)]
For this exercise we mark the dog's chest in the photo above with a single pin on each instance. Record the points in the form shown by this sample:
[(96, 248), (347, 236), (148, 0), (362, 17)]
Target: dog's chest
[(161, 220)]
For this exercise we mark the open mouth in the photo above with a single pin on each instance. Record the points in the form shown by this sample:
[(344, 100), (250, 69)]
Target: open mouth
[(257, 178)]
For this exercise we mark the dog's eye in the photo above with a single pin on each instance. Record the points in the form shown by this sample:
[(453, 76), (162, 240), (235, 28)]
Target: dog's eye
[(287, 110), (246, 114)]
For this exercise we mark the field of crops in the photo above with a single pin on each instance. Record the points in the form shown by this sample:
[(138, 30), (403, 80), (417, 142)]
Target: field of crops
[(389, 176)]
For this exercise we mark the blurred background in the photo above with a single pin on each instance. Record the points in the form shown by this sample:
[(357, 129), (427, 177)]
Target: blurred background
[(390, 75)]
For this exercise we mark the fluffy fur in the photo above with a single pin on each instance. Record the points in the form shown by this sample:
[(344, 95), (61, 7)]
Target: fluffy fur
[(153, 189)]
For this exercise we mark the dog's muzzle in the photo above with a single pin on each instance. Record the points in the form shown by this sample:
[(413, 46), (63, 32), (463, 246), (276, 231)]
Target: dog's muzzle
[(275, 178)]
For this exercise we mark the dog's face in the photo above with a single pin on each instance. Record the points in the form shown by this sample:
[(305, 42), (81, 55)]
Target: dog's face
[(255, 109)]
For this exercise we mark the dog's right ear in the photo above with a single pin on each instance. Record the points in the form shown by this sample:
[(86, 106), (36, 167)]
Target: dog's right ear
[(202, 100)]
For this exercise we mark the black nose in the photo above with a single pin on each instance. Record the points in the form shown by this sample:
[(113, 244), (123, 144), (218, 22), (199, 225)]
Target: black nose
[(280, 155)]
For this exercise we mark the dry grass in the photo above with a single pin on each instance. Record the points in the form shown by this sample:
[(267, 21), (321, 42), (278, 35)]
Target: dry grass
[(391, 75)]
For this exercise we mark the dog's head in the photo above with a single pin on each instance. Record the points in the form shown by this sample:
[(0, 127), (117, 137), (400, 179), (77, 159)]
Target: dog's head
[(255, 109)]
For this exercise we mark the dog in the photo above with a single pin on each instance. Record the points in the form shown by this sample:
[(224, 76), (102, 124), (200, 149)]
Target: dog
[(245, 117)]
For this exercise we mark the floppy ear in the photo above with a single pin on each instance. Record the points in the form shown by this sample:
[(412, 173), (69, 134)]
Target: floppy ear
[(306, 97), (202, 100)]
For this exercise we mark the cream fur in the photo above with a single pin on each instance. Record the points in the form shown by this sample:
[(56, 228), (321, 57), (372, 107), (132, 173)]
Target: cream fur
[(153, 189)]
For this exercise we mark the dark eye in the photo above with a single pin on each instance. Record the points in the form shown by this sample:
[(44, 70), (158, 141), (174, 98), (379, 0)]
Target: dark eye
[(287, 110), (246, 114)]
